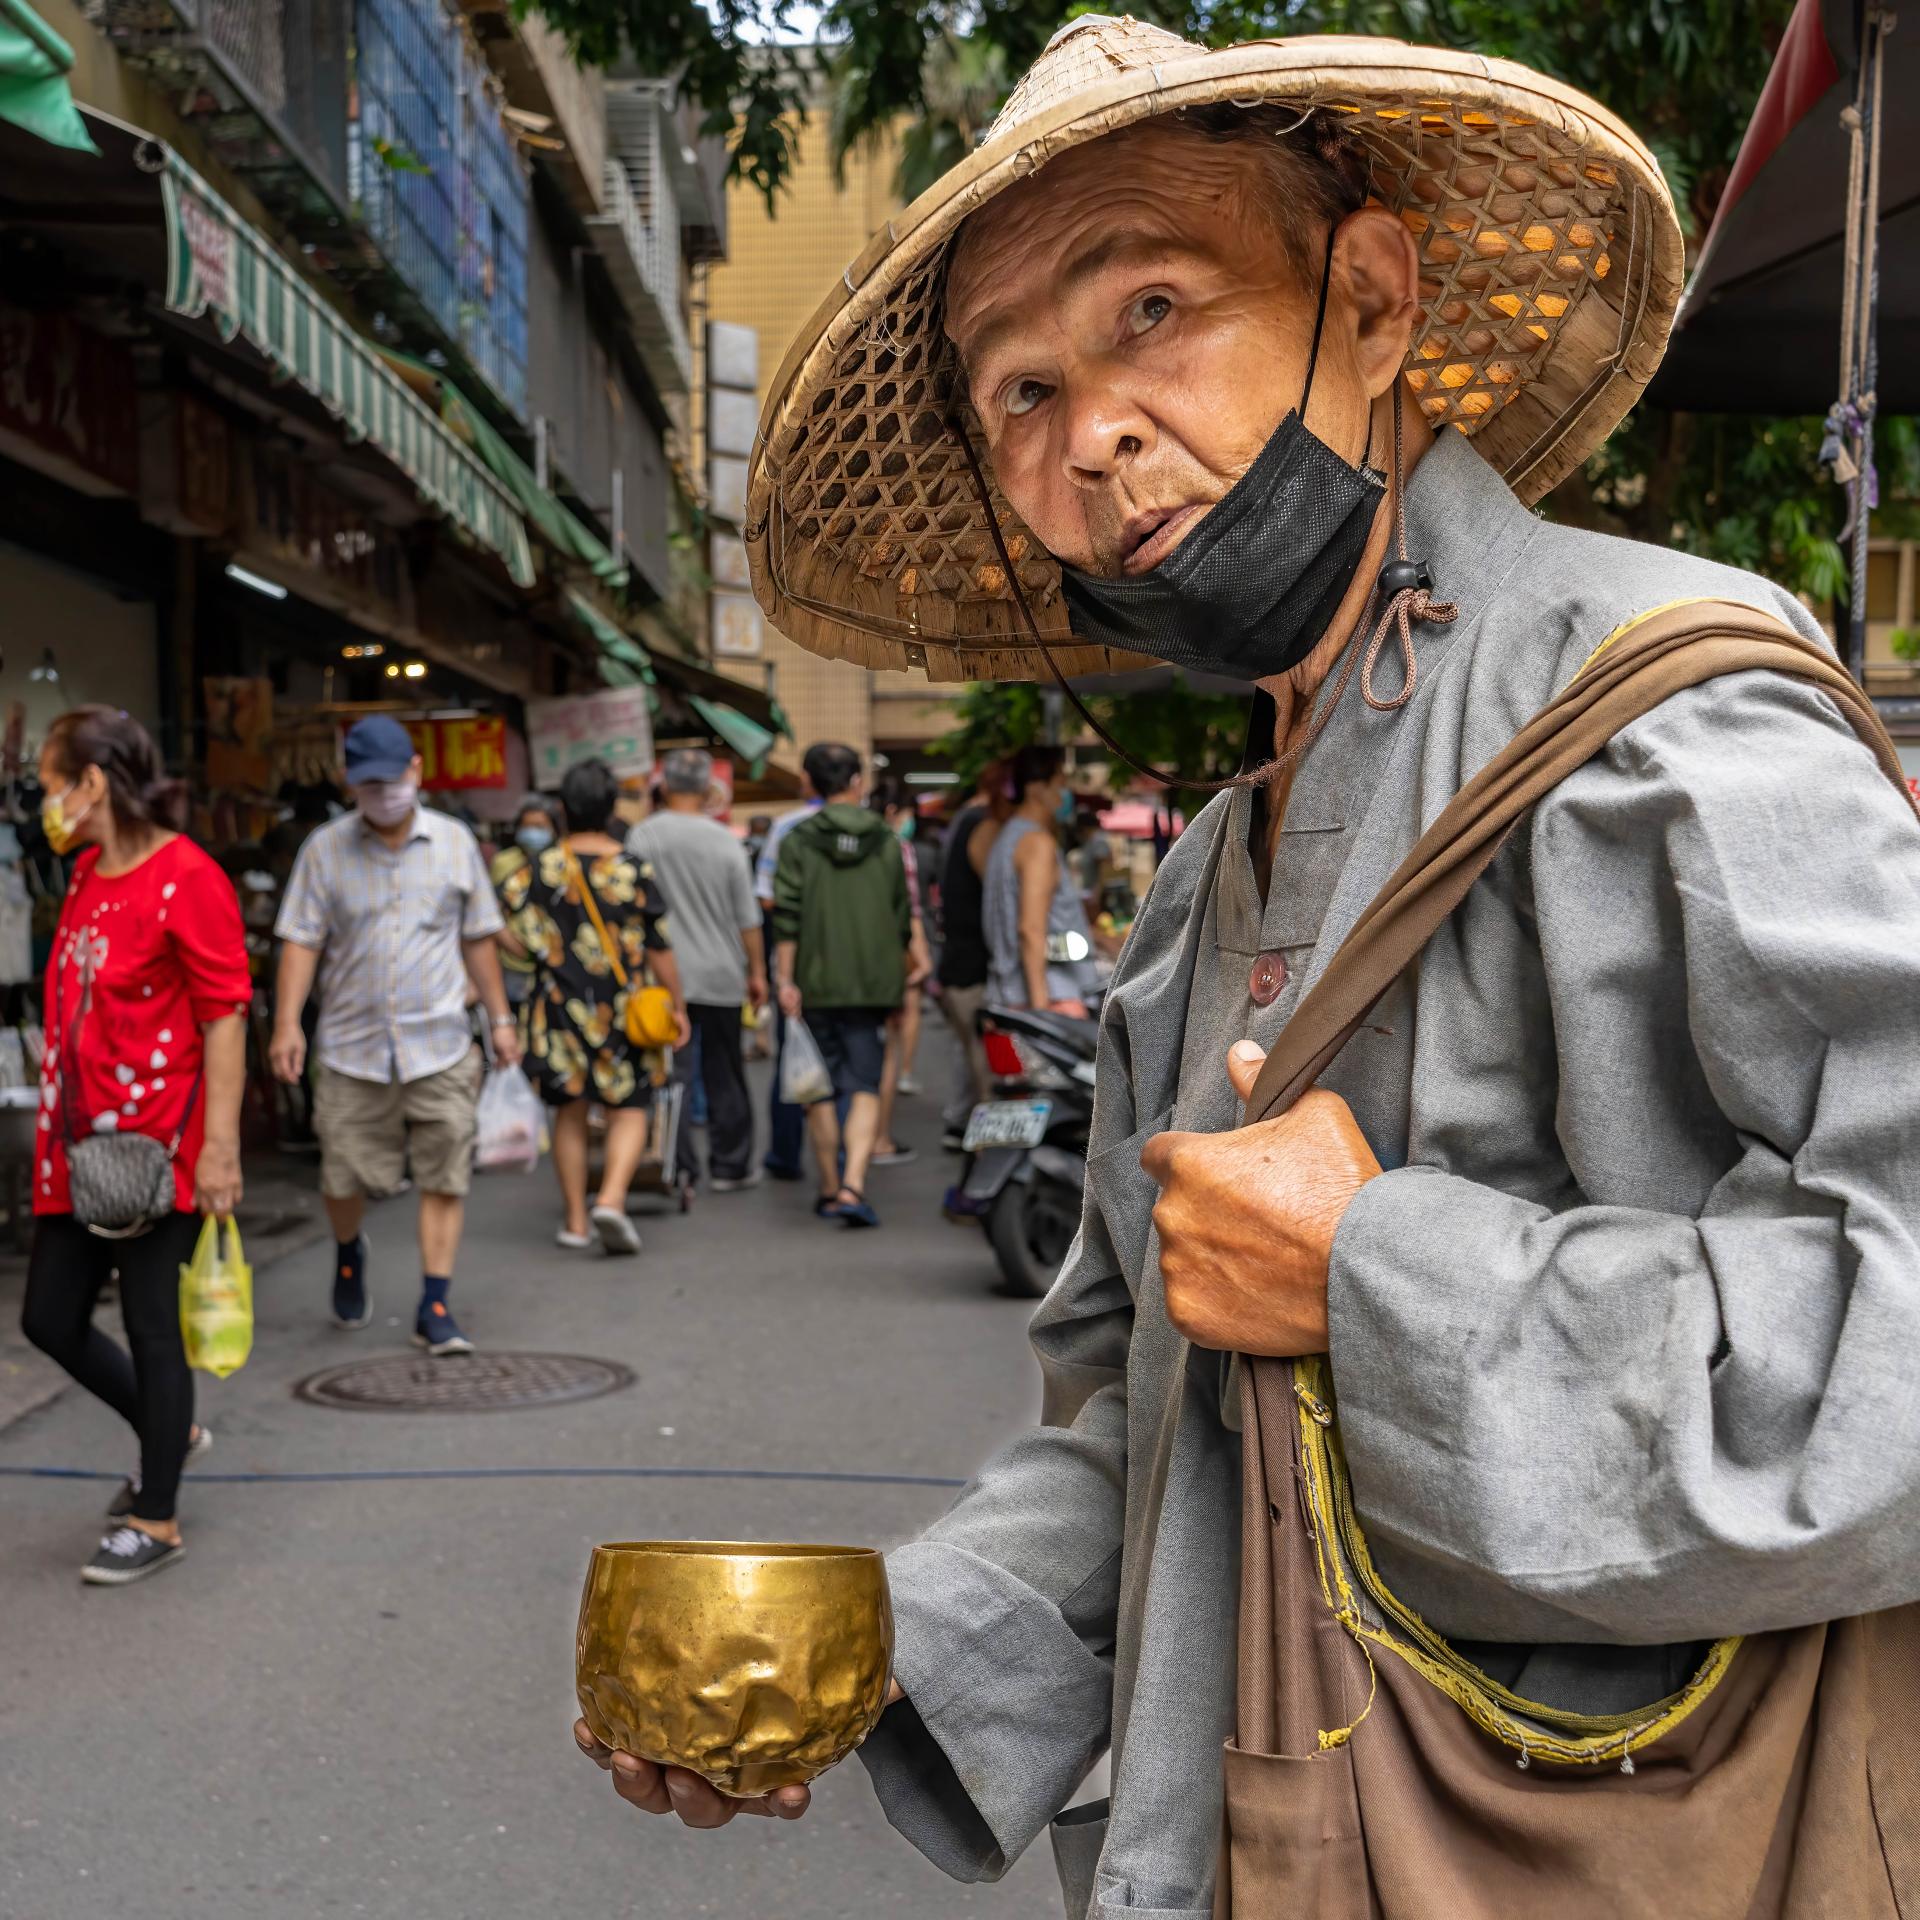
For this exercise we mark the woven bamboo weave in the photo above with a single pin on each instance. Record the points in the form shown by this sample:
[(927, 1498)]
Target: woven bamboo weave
[(1550, 268)]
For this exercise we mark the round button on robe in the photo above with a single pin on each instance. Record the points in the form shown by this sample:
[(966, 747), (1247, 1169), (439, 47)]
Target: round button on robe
[(1268, 979)]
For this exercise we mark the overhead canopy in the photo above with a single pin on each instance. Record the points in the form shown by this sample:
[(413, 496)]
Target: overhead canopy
[(751, 741), (559, 526), (34, 64), (220, 264), (1760, 325), (696, 690), (623, 660)]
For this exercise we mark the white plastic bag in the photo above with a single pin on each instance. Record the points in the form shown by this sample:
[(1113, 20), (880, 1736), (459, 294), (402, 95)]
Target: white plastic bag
[(513, 1123), (804, 1080)]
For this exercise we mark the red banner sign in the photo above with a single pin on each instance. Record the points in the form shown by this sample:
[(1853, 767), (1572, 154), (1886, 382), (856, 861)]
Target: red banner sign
[(456, 756)]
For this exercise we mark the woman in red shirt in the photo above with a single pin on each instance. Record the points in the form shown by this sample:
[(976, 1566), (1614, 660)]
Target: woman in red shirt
[(146, 998)]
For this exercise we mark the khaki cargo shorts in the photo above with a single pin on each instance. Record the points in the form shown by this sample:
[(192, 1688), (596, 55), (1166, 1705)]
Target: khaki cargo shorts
[(369, 1129)]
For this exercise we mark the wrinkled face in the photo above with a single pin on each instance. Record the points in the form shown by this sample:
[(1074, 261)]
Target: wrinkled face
[(1133, 330)]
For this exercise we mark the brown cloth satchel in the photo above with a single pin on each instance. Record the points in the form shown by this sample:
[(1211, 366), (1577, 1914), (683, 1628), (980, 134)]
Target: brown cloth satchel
[(1376, 1774)]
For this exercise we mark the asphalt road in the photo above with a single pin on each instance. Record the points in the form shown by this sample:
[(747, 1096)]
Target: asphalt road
[(353, 1696)]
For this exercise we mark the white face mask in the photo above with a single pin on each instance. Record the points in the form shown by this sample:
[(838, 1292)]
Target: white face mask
[(386, 802)]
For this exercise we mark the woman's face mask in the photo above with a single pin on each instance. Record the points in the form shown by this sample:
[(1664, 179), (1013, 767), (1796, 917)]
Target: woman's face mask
[(532, 839), (904, 826), (386, 802), (60, 817)]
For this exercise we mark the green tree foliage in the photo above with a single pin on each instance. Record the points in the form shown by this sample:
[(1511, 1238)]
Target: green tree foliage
[(1200, 733), (1684, 73)]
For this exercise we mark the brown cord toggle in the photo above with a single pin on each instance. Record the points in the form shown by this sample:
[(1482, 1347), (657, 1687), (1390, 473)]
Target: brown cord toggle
[(1410, 602), (1409, 590)]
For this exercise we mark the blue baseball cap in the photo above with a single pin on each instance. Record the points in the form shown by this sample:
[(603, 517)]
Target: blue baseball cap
[(378, 748)]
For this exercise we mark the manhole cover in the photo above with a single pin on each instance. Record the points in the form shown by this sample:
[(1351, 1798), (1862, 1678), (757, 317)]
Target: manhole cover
[(471, 1383)]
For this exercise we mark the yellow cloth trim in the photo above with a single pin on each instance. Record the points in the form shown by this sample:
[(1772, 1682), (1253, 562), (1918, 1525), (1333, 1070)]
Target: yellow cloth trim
[(1639, 619), (1571, 1738)]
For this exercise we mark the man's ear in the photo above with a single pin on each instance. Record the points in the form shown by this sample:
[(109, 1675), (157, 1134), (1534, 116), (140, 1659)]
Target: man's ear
[(1378, 268)]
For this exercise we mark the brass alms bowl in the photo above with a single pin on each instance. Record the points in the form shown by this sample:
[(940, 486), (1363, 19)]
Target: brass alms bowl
[(753, 1666)]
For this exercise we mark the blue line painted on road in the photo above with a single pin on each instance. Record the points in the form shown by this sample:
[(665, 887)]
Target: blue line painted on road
[(817, 1476)]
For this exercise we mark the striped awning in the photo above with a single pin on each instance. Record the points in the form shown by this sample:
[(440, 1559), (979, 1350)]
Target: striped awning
[(220, 264)]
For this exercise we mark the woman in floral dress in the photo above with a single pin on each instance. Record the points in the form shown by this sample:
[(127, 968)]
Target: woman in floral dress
[(573, 1031)]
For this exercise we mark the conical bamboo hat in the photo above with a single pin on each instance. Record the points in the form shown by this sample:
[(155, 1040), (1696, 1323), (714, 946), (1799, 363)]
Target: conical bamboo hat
[(1551, 263)]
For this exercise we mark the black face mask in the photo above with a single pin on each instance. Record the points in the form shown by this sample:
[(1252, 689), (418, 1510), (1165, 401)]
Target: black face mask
[(1251, 590)]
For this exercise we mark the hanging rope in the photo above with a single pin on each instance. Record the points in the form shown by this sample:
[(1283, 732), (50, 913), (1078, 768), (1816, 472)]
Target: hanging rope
[(1846, 445)]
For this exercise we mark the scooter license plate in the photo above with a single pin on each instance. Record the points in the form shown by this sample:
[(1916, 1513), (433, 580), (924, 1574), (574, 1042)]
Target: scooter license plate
[(1007, 1123)]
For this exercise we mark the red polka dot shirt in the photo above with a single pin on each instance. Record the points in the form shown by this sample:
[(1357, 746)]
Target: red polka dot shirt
[(168, 957)]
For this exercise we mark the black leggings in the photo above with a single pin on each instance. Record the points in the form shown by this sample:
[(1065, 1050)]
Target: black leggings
[(152, 1390)]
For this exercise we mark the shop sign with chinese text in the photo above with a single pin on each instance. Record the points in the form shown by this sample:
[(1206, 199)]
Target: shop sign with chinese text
[(614, 725), (458, 754)]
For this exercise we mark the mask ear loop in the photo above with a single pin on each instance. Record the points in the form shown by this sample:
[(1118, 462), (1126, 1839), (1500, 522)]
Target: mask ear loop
[(1319, 321), (1257, 777)]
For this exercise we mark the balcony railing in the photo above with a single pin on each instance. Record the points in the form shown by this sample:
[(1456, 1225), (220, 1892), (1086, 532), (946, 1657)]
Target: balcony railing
[(407, 188), (267, 78), (440, 184), (641, 248)]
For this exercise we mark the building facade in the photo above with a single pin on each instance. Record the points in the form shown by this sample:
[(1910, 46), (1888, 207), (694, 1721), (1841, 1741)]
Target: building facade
[(346, 365), (778, 266)]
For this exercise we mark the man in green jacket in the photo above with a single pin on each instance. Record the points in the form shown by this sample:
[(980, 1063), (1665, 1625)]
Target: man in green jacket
[(841, 923)]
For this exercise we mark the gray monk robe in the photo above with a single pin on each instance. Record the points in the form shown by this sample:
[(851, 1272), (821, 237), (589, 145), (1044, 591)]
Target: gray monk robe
[(1625, 1336)]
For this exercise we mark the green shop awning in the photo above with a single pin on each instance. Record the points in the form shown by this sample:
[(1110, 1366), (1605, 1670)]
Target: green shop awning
[(748, 738), (553, 519), (219, 263), (623, 661), (34, 64)]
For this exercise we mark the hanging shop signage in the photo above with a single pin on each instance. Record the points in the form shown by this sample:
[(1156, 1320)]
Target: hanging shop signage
[(739, 627), (69, 393), (614, 725), (458, 756), (463, 753)]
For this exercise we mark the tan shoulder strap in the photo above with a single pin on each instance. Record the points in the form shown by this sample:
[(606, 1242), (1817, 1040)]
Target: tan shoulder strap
[(577, 870), (1629, 675)]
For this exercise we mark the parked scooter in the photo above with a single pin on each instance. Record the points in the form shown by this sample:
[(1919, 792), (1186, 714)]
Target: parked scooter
[(1029, 1144)]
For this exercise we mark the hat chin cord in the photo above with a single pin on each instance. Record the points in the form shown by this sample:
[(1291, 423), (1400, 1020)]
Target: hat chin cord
[(1403, 590)]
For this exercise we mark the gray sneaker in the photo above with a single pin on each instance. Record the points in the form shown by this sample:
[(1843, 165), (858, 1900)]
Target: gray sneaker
[(736, 1182), (127, 1555)]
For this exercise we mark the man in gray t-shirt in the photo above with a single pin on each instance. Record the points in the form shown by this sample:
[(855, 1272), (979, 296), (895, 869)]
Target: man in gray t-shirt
[(721, 951)]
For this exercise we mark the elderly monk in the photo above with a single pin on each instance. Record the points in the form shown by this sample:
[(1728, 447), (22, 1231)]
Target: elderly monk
[(1607, 1216)]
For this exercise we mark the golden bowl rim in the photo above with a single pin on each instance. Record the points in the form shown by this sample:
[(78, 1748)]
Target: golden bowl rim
[(794, 1550)]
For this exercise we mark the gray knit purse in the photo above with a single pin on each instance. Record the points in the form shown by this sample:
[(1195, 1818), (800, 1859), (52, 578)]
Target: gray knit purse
[(118, 1184)]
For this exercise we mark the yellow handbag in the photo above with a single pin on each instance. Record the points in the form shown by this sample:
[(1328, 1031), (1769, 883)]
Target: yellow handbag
[(650, 1019)]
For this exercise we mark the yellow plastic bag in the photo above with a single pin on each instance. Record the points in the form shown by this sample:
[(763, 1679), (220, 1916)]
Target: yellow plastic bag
[(216, 1301)]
